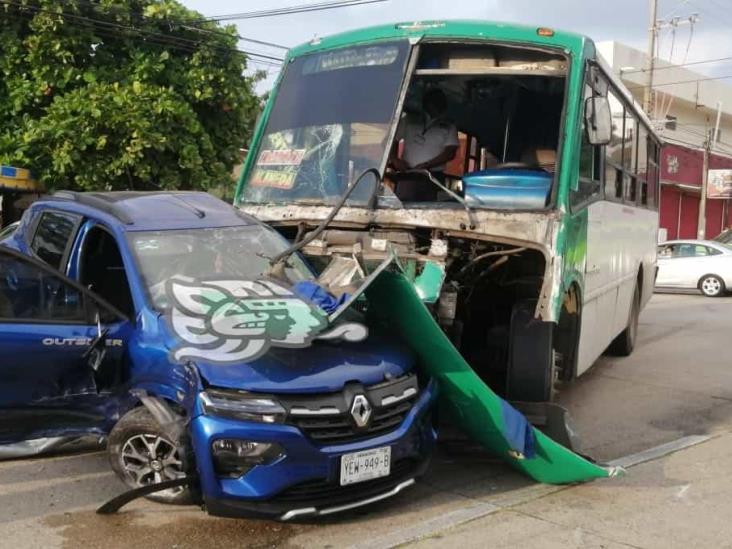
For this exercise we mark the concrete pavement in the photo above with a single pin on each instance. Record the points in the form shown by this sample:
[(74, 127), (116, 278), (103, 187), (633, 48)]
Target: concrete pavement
[(681, 501)]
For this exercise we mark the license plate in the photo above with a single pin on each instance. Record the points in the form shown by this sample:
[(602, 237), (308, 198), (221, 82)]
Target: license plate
[(366, 465)]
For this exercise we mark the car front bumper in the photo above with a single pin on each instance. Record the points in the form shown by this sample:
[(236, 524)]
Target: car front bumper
[(305, 482)]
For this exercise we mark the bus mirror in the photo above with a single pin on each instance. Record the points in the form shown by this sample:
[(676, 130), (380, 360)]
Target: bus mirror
[(598, 120)]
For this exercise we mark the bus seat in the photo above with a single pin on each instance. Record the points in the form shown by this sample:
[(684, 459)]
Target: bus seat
[(541, 157)]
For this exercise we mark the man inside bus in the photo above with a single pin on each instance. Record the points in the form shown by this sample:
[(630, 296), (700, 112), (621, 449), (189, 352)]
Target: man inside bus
[(430, 142)]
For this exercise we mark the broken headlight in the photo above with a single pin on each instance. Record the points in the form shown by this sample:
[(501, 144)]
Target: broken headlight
[(233, 458), (242, 405)]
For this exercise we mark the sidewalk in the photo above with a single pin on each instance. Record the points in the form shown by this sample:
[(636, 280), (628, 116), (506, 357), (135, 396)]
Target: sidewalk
[(681, 500)]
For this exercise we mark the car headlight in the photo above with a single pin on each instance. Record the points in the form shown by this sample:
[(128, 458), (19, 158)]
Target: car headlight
[(233, 457), (242, 405)]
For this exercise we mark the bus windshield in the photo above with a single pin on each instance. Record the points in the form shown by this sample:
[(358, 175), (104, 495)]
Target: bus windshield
[(484, 120), (329, 123)]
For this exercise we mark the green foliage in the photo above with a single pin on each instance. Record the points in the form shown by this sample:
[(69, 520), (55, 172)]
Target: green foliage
[(121, 94)]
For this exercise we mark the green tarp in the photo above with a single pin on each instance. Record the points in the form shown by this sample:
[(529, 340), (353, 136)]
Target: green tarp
[(479, 411)]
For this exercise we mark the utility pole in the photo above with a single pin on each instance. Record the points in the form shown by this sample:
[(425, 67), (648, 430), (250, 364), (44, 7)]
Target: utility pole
[(648, 92), (712, 136), (701, 227)]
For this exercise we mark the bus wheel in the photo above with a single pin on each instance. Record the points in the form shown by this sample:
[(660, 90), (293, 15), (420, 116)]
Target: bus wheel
[(532, 360), (711, 286), (624, 344)]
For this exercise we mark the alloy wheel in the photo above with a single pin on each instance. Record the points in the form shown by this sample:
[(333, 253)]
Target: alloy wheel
[(711, 286), (150, 459)]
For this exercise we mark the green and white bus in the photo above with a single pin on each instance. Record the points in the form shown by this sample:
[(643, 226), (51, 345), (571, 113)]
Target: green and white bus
[(541, 231)]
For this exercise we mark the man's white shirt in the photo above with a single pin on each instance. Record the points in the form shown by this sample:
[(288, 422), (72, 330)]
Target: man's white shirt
[(425, 138)]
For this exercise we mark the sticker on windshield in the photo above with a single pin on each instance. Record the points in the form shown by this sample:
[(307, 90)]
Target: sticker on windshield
[(277, 178), (281, 157), (277, 168), (227, 321)]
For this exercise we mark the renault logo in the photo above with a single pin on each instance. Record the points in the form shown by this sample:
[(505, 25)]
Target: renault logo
[(361, 410)]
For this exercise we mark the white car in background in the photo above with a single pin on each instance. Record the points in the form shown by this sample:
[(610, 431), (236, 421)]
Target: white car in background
[(704, 265)]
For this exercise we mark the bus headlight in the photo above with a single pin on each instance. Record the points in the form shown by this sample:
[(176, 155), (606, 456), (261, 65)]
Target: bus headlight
[(242, 405)]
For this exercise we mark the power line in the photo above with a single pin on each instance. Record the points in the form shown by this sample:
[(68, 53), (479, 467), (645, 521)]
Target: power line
[(680, 5), (675, 66), (682, 82), (184, 24), (239, 36), (721, 15), (300, 8), (155, 37)]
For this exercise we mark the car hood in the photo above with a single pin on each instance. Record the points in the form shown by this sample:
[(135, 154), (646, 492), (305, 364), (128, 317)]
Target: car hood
[(321, 367)]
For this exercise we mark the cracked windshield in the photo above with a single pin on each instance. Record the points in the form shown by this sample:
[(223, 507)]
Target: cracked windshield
[(329, 123), (233, 253)]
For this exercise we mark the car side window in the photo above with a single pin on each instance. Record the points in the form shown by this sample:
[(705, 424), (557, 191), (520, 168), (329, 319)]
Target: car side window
[(692, 250), (666, 252), (685, 250), (29, 293), (53, 237)]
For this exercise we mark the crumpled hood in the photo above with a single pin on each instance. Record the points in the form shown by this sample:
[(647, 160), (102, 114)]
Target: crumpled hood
[(321, 367)]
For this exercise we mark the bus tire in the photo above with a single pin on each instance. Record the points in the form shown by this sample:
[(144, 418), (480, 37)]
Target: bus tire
[(531, 371), (624, 344)]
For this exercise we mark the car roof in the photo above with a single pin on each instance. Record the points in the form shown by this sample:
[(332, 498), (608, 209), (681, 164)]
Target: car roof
[(150, 211), (712, 243)]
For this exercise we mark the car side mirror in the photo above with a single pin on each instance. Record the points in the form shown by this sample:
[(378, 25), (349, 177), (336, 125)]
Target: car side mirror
[(598, 120)]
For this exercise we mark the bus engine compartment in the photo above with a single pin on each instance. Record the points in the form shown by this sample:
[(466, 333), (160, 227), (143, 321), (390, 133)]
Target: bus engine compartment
[(482, 293)]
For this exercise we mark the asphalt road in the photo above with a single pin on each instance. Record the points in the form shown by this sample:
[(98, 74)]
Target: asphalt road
[(678, 382)]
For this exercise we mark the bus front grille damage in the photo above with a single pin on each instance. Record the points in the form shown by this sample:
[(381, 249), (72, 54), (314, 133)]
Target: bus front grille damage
[(467, 307)]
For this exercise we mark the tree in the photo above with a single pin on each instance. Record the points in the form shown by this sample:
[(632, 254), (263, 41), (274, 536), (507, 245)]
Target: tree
[(121, 94)]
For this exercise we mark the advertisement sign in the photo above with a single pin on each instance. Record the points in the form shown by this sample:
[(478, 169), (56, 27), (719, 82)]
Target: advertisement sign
[(719, 184)]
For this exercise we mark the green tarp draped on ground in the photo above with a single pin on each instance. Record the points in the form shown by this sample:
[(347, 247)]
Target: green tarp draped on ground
[(479, 411)]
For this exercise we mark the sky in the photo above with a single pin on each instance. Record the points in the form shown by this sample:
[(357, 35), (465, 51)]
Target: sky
[(622, 20)]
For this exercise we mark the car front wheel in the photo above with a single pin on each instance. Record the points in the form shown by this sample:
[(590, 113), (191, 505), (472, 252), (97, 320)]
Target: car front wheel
[(141, 454), (711, 286)]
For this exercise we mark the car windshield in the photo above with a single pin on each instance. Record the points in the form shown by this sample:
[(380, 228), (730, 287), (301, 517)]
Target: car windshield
[(330, 121), (233, 253)]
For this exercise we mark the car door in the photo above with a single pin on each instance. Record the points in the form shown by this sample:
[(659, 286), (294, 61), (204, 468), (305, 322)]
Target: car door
[(684, 267), (693, 261), (57, 341), (668, 267)]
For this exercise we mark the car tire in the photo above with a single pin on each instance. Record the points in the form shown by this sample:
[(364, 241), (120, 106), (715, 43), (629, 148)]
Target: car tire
[(711, 286), (624, 344), (141, 453)]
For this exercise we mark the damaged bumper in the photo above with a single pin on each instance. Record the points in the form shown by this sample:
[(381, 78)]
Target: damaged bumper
[(481, 413), (304, 480)]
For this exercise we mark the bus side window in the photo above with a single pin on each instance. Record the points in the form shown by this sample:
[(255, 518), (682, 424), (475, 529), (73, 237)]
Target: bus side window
[(630, 154), (614, 150), (589, 185), (642, 165), (653, 174)]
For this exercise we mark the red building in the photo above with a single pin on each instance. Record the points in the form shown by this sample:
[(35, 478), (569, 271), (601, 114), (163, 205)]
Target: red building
[(681, 182)]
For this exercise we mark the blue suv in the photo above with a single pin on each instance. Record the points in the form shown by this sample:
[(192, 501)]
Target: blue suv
[(95, 340)]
